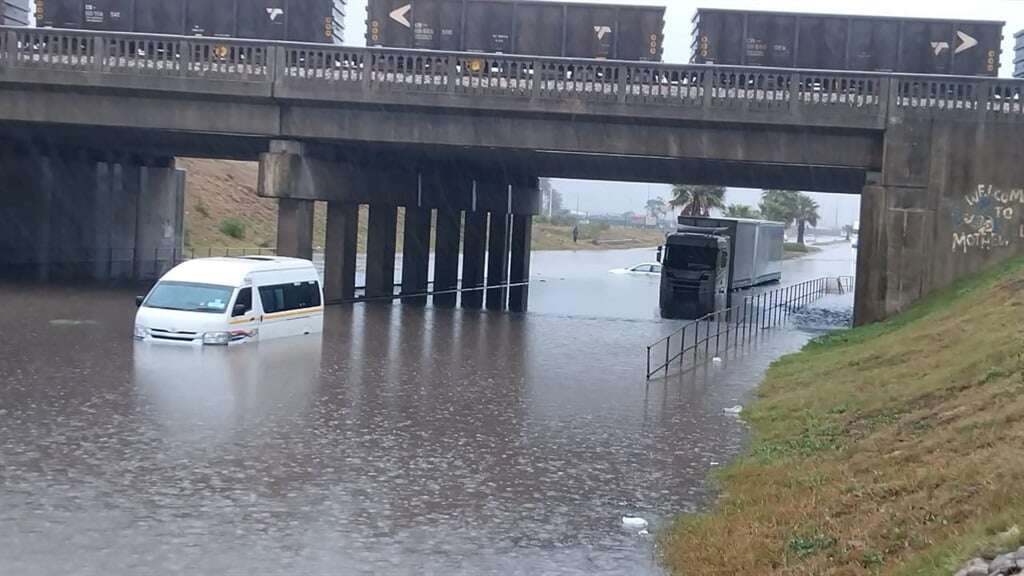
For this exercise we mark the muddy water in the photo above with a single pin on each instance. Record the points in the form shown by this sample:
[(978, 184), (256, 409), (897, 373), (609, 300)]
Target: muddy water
[(408, 441)]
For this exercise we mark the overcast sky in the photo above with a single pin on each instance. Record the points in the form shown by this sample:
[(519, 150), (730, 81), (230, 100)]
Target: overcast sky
[(615, 197)]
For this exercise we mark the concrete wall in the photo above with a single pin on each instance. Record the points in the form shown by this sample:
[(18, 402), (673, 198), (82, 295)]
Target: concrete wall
[(950, 202), (68, 217)]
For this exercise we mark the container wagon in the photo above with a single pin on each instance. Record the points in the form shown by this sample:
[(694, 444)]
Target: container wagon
[(1018, 59), (14, 12), (529, 27), (837, 42), (294, 20)]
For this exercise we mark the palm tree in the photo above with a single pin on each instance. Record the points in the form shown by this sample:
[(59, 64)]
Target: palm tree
[(779, 206), (698, 200), (806, 212), (741, 211), (656, 207)]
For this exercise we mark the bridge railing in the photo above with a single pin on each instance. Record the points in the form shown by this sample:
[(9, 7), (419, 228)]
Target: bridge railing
[(340, 72)]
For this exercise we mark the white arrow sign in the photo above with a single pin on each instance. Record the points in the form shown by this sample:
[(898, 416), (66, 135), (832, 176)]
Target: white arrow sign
[(940, 47), (967, 42), (399, 15)]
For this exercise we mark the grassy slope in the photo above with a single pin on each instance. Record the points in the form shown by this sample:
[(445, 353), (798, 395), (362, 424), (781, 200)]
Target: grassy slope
[(890, 449), (219, 189)]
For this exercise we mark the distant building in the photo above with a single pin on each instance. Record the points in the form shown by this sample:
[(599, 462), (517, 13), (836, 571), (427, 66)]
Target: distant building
[(339, 21), (1018, 59), (14, 12)]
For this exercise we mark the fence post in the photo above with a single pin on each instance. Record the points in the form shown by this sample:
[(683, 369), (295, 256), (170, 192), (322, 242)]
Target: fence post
[(708, 81), (682, 345), (99, 52), (623, 84), (668, 346), (12, 48), (648, 362)]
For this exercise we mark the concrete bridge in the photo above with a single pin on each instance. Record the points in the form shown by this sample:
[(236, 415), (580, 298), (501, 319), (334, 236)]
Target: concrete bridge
[(460, 140)]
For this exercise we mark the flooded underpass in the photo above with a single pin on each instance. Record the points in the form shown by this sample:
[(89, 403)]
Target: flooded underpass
[(409, 441)]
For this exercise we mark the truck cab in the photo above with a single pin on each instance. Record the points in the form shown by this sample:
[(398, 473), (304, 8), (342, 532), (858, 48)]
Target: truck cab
[(695, 273)]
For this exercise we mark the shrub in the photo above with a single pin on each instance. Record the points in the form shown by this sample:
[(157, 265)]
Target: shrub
[(233, 227)]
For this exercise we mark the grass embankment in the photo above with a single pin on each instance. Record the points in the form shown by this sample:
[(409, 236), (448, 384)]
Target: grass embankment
[(222, 210), (896, 448)]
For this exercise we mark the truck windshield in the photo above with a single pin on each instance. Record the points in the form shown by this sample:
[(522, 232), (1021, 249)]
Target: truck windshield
[(690, 258), (189, 297)]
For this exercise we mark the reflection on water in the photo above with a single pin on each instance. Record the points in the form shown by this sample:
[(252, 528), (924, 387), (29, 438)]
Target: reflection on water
[(411, 441)]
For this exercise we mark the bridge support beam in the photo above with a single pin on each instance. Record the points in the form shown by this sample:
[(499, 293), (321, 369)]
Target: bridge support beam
[(497, 261), (519, 272), (69, 217), (340, 251), (295, 228), (446, 256), (949, 202), (474, 256), (416, 254), (380, 250)]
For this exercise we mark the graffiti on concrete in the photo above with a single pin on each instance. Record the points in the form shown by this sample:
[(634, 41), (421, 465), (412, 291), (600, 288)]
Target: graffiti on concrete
[(990, 218)]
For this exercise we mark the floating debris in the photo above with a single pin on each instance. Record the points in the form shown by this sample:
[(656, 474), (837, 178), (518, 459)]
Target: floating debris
[(734, 410), (634, 522)]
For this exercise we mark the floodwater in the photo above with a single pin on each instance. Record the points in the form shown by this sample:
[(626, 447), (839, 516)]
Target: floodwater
[(408, 441)]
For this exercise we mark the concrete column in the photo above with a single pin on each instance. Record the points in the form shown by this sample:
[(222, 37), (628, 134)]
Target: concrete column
[(416, 253), (869, 293), (295, 228), (474, 255), (497, 261), (126, 186), (340, 251), (380, 250), (72, 245), (522, 236), (446, 256), (158, 228)]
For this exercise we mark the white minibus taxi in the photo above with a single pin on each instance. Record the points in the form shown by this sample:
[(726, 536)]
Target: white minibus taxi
[(221, 301)]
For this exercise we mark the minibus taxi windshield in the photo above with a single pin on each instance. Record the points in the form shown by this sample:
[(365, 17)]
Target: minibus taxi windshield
[(189, 297)]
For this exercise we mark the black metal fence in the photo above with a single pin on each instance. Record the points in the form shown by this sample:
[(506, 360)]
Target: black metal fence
[(707, 337)]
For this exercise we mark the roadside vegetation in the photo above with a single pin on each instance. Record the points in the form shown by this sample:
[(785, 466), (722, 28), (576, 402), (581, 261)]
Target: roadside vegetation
[(894, 448)]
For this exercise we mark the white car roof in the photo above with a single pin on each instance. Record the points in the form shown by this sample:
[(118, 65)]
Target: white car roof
[(232, 271)]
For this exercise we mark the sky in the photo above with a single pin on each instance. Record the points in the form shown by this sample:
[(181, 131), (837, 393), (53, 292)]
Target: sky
[(617, 197)]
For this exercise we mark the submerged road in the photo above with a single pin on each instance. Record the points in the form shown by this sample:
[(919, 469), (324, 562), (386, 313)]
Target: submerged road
[(408, 441)]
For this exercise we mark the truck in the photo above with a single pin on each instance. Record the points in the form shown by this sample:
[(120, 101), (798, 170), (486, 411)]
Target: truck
[(707, 259), (527, 27), (843, 42)]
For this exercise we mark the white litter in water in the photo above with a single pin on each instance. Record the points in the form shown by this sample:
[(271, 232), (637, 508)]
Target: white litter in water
[(734, 410), (716, 360), (69, 322), (643, 532), (634, 522)]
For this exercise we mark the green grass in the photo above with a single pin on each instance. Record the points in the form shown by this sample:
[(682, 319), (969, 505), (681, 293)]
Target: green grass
[(895, 448)]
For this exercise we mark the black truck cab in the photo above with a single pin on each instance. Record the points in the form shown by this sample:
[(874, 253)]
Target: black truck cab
[(695, 273)]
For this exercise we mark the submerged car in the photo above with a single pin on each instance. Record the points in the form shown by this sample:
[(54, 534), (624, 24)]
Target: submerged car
[(652, 268), (222, 301)]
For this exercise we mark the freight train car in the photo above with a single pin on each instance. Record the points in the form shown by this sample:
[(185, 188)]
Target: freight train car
[(519, 27), (835, 42), (14, 12), (1018, 59), (295, 20)]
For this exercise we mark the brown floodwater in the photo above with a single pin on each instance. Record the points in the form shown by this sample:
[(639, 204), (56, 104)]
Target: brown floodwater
[(406, 441)]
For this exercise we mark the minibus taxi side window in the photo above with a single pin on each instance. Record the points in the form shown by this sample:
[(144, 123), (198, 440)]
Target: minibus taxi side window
[(243, 303)]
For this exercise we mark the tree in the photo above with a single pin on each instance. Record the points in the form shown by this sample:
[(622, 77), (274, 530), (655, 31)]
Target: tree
[(806, 213), (779, 206), (696, 200), (790, 207), (741, 211), (551, 198), (656, 207)]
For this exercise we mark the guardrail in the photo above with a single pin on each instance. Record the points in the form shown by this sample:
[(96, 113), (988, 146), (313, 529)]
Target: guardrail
[(707, 337), (367, 71)]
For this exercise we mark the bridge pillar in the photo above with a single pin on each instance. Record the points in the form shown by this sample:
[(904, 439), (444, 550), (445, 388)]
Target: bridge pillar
[(474, 255), (497, 261), (949, 202), (295, 228), (416, 254), (526, 200), (340, 251), (446, 256), (380, 250)]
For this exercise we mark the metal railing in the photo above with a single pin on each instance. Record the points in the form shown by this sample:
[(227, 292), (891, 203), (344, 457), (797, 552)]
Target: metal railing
[(345, 72), (707, 337)]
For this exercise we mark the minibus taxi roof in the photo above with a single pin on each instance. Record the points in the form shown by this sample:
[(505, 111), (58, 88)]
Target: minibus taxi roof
[(232, 272)]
